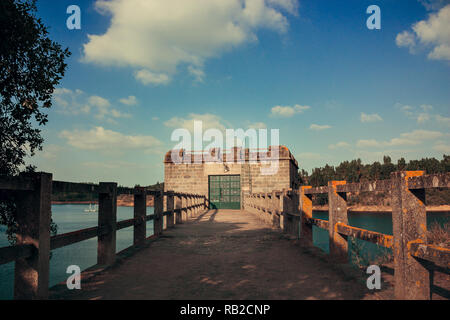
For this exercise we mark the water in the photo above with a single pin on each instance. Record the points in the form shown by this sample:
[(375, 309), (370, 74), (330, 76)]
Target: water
[(84, 254), (379, 222), (71, 217)]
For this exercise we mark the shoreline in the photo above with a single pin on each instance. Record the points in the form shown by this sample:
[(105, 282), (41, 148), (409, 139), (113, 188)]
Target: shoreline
[(383, 209), (119, 203), (374, 209)]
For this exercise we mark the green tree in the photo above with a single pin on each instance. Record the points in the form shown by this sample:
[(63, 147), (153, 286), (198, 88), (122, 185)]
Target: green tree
[(31, 65)]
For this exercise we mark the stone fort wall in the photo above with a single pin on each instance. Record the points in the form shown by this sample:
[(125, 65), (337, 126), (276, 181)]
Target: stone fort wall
[(193, 177)]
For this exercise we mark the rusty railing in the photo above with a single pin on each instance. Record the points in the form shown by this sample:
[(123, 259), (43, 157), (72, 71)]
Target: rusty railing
[(32, 193), (415, 261)]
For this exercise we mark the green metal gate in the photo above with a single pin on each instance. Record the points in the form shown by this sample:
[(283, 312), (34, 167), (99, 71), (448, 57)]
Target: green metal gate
[(225, 192)]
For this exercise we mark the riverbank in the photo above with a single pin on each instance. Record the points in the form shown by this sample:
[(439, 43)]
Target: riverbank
[(123, 200), (375, 209)]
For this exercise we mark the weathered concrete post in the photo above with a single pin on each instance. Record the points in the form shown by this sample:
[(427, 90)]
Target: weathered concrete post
[(31, 275), (409, 222), (291, 220), (266, 203), (189, 205), (170, 207), (107, 219), (158, 205), (306, 232), (140, 212), (197, 203), (178, 212), (184, 207), (337, 212), (186, 210)]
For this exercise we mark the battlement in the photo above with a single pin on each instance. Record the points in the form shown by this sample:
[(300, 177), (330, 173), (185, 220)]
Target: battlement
[(233, 155)]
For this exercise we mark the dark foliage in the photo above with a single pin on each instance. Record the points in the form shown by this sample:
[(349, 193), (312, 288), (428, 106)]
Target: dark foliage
[(31, 65), (356, 171)]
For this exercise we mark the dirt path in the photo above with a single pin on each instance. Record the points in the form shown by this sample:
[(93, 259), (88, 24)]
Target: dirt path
[(222, 254)]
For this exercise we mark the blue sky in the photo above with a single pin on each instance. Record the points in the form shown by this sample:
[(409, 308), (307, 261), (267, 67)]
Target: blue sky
[(312, 69)]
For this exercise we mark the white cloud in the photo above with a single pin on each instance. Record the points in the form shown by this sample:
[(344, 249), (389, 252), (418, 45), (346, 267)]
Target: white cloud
[(308, 156), (433, 32), (130, 101), (442, 147), (426, 107), (104, 110), (433, 4), (257, 125), (370, 117), (443, 120), (422, 135), (155, 37), (318, 127), (117, 164), (423, 117), (147, 77), (416, 113), (77, 102), (49, 151), (406, 39), (197, 73), (404, 108), (339, 145), (415, 137), (287, 111), (99, 138), (209, 121), (68, 102)]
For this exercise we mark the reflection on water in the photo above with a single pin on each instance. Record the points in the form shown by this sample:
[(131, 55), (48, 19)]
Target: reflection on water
[(379, 222), (71, 217), (84, 254)]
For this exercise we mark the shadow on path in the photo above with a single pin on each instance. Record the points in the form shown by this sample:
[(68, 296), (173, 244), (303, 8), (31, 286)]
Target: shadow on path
[(226, 254)]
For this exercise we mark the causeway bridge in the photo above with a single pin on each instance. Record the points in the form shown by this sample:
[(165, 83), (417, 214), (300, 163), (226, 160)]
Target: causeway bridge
[(262, 251)]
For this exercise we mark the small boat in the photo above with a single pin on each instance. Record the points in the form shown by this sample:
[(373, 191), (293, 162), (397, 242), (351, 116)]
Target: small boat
[(91, 208)]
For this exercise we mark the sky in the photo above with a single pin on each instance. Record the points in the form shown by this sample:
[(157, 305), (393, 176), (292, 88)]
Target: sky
[(334, 88)]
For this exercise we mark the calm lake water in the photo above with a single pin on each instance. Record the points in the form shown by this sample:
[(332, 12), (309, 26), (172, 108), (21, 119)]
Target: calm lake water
[(84, 254), (71, 217), (380, 222)]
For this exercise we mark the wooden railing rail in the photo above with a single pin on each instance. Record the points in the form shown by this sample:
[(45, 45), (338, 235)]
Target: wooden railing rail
[(32, 251), (293, 213)]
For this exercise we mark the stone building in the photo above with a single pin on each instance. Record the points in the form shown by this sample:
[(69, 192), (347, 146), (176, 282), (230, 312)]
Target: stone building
[(224, 178)]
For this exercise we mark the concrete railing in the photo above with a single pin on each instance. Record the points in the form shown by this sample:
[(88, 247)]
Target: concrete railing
[(32, 193), (415, 261), (279, 209)]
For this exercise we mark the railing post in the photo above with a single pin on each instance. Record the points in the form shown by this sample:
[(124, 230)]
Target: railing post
[(197, 203), (306, 231), (266, 204), (140, 212), (409, 222), (337, 212), (158, 204), (31, 275), (282, 208), (170, 207), (178, 213), (291, 221), (184, 211), (189, 204), (107, 220)]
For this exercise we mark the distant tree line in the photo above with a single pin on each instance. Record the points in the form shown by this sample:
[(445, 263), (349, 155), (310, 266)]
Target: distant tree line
[(73, 196), (356, 171)]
